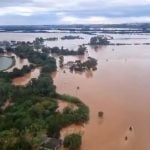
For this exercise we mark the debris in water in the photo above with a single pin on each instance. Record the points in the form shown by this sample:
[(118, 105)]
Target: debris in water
[(100, 114), (126, 138), (78, 87), (130, 128)]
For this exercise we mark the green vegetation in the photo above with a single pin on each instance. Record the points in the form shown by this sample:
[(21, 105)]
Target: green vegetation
[(51, 39), (91, 63), (72, 141), (65, 52), (5, 91), (1, 50), (99, 40), (38, 43), (16, 72), (61, 61), (33, 112), (70, 37), (24, 50)]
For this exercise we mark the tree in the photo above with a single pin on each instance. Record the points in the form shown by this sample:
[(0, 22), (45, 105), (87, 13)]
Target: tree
[(54, 127), (81, 50), (1, 50), (99, 40), (61, 61), (22, 144), (43, 86), (38, 43), (5, 91), (72, 141)]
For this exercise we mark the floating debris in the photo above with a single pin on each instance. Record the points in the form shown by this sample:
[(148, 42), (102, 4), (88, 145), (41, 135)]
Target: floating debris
[(100, 114), (130, 128), (126, 138)]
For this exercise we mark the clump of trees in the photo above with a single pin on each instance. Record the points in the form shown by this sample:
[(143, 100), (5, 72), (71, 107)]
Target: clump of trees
[(89, 64), (68, 117), (70, 37), (16, 72), (38, 43), (40, 59), (73, 141), (99, 40), (1, 50), (65, 52), (51, 39), (43, 86)]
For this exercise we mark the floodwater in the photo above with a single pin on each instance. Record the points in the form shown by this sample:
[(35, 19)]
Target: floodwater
[(5, 62), (119, 88), (22, 81), (19, 62)]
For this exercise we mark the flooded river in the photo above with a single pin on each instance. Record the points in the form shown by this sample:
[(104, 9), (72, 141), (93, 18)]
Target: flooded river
[(119, 88)]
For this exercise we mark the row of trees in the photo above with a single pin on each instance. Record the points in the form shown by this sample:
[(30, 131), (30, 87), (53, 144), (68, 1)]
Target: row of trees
[(16, 72), (70, 37), (62, 51)]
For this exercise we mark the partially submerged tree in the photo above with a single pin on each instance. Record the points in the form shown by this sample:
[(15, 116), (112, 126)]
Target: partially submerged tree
[(99, 40), (73, 141)]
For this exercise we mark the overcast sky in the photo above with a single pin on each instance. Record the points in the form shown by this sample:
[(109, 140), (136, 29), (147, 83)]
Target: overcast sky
[(16, 12)]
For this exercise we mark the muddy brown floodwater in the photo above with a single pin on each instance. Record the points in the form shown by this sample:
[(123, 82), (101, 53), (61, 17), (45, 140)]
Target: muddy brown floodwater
[(22, 81), (19, 62), (119, 88)]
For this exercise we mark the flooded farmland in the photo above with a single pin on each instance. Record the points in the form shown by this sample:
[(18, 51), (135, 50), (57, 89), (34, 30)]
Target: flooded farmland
[(119, 88)]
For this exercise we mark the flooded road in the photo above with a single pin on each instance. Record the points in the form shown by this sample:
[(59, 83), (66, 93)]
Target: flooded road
[(120, 88)]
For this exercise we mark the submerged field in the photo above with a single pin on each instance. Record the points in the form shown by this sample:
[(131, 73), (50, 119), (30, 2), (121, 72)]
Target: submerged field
[(119, 88)]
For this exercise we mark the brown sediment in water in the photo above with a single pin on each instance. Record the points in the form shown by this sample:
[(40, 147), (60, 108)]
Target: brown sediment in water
[(121, 90), (72, 129), (22, 81), (19, 63)]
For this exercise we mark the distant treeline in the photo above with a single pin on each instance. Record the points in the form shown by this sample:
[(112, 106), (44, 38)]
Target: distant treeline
[(130, 28)]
